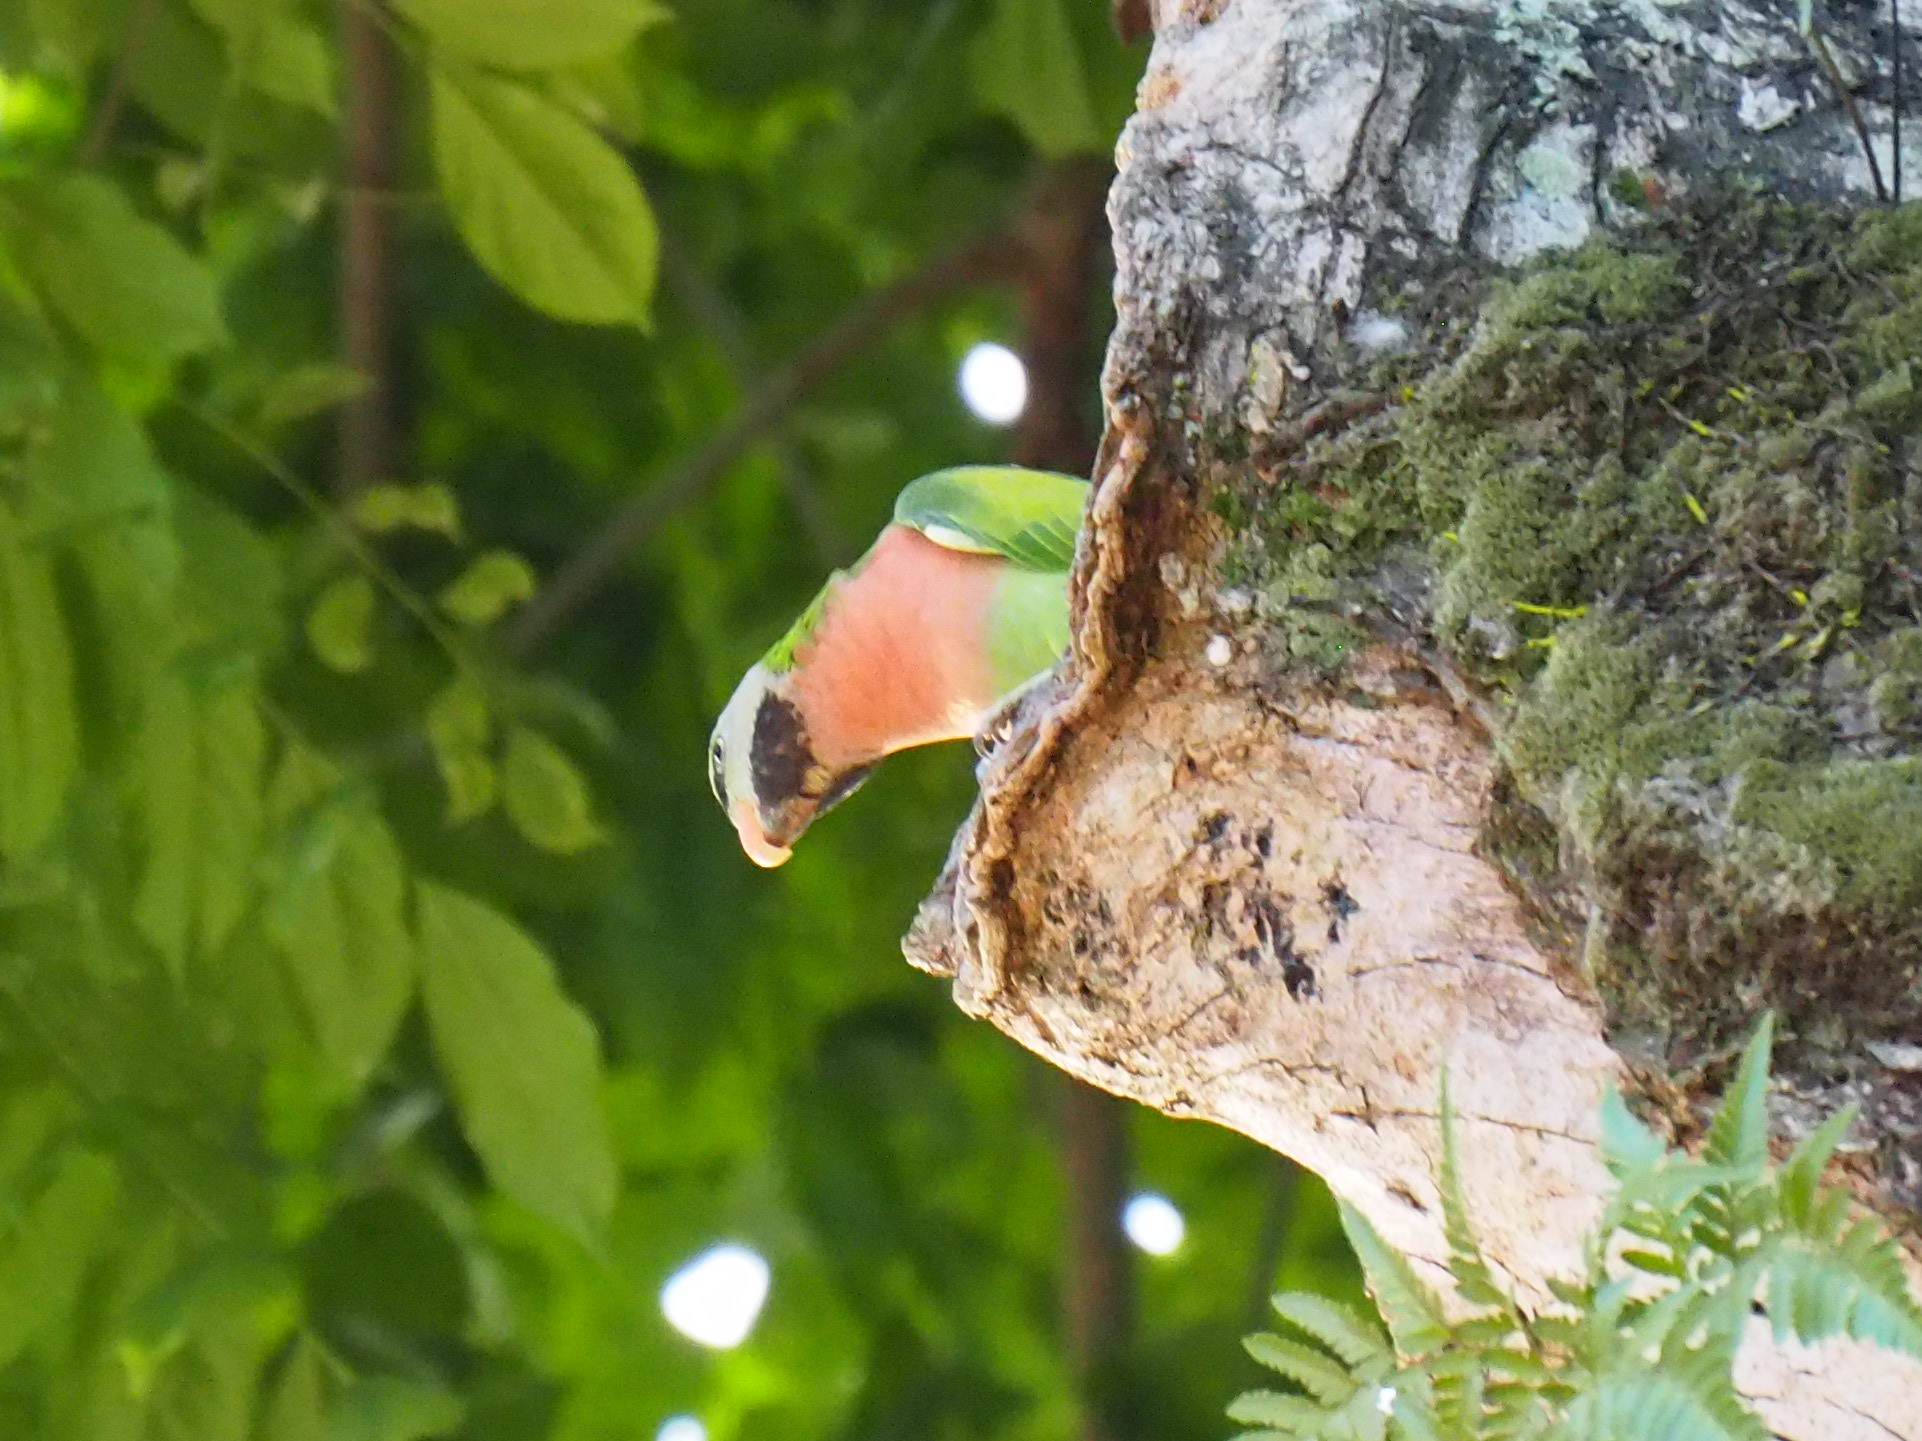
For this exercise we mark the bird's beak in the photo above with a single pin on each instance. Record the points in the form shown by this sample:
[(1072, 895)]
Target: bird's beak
[(762, 850)]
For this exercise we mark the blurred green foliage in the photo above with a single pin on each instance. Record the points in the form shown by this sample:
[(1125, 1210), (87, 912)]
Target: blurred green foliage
[(384, 1016)]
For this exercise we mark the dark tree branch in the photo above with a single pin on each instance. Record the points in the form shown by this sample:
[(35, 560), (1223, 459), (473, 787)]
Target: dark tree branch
[(587, 570), (1098, 1286), (369, 126)]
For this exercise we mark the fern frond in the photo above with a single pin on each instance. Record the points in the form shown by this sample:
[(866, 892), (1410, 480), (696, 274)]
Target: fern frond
[(1627, 1145), (1738, 1134), (1655, 1263), (1412, 1311), (1707, 1333), (1800, 1178), (1523, 1366), (1474, 1278), (1288, 1414), (1513, 1409), (1312, 1370), (1573, 1294), (1414, 1415), (1647, 1405), (1857, 1289), (1338, 1327), (1458, 1401), (1483, 1332)]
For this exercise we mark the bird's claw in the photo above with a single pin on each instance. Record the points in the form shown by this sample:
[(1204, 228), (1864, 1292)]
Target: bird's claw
[(997, 728)]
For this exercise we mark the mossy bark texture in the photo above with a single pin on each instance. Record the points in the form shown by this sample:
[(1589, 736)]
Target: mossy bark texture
[(1499, 622)]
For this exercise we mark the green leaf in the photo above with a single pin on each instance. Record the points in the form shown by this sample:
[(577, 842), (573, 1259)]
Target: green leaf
[(390, 1408), (39, 729), (165, 779), (123, 283), (1815, 1290), (296, 1407), (233, 754), (95, 468), (197, 780), (349, 955), (308, 390), (1473, 1277), (1627, 1145), (548, 208), (1027, 65), (383, 508), (1650, 1404), (275, 50), (1289, 1414), (1310, 1369), (339, 623), (520, 1060), (50, 1246), (460, 728), (1338, 1327), (1738, 1136), (482, 593), (546, 796), (1801, 1177), (531, 34)]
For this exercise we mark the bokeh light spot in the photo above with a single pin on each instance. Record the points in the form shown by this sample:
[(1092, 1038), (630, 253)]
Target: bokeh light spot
[(715, 1298), (1153, 1224), (681, 1428), (994, 383)]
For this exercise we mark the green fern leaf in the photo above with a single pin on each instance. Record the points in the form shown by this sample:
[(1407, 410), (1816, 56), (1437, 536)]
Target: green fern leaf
[(1411, 1309), (1320, 1377), (1627, 1144), (1565, 1333), (1514, 1409), (1738, 1136), (1482, 1332), (1858, 1289), (1524, 1366), (1413, 1412), (1650, 1405), (1655, 1263), (1570, 1293), (1455, 1364), (1800, 1178), (1474, 1280), (1458, 1403), (1340, 1328), (1290, 1415)]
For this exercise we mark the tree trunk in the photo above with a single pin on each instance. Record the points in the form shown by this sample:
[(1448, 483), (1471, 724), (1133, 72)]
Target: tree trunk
[(1331, 795)]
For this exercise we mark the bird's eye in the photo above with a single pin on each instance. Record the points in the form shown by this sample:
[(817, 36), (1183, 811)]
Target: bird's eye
[(717, 772)]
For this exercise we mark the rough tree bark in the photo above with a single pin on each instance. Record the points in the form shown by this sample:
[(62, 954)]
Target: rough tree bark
[(1325, 800)]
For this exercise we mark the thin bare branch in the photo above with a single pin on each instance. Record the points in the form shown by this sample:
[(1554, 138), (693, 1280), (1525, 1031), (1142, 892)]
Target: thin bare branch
[(989, 257)]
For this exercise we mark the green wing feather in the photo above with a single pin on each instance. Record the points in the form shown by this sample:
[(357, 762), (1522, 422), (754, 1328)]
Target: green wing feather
[(1028, 517)]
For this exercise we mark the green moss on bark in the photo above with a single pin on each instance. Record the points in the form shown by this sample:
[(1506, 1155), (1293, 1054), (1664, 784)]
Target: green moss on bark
[(1670, 506)]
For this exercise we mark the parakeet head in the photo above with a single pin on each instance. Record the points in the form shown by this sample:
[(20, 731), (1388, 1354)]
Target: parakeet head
[(765, 771)]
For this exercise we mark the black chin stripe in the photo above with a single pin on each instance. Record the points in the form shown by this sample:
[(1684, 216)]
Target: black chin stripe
[(845, 785), (780, 757)]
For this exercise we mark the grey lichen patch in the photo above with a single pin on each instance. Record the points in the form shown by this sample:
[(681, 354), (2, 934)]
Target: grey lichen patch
[(1666, 499)]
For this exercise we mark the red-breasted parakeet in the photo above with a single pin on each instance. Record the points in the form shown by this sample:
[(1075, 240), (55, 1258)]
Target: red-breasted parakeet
[(960, 601)]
